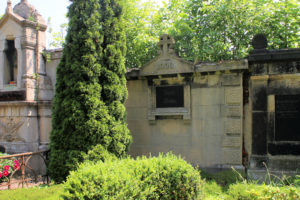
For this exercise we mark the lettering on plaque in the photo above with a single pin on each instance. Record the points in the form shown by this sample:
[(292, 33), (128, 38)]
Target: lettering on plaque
[(234, 142), (233, 95), (287, 117), (9, 130), (233, 111), (233, 127), (164, 65)]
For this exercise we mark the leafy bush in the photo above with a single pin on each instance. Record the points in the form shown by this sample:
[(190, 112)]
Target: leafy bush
[(254, 191), (99, 153), (164, 177)]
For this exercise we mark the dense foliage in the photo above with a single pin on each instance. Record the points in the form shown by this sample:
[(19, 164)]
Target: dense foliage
[(223, 29), (98, 153), (164, 177), (91, 87), (208, 30)]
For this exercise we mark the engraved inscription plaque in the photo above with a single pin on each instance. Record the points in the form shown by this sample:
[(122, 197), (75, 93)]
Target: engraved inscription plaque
[(169, 96), (287, 118)]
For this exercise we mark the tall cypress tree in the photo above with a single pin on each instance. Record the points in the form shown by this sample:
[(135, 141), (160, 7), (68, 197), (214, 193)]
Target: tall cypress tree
[(91, 87)]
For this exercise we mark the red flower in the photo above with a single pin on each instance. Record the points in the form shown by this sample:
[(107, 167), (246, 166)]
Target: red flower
[(5, 173), (6, 167), (17, 166), (1, 175), (16, 162)]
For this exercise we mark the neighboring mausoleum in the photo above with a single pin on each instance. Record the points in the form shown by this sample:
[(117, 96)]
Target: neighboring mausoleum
[(242, 113), (192, 110), (26, 91)]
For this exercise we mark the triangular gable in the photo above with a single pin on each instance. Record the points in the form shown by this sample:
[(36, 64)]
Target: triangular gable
[(11, 16), (166, 65), (167, 62)]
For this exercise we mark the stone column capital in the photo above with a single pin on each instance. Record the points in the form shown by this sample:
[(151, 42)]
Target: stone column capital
[(2, 44)]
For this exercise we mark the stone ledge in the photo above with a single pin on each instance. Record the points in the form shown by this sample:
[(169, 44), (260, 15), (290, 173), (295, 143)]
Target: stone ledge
[(274, 55), (222, 66)]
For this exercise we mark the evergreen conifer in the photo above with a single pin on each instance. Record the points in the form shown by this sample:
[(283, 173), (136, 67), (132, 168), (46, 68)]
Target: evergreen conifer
[(88, 107)]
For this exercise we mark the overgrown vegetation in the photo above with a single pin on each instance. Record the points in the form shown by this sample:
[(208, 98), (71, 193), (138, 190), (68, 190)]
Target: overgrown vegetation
[(91, 87)]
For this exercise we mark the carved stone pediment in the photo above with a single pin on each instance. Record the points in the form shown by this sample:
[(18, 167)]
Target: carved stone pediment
[(167, 62), (9, 130)]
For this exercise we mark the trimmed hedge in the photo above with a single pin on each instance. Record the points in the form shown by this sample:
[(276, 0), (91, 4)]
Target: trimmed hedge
[(164, 177)]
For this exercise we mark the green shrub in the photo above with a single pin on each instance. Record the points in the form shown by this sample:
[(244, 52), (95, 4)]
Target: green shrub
[(243, 191), (99, 153), (164, 177)]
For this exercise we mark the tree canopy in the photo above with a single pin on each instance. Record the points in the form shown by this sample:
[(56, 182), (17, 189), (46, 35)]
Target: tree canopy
[(209, 30)]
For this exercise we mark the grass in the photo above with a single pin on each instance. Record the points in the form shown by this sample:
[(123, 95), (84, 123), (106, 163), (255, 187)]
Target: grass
[(231, 185), (35, 193)]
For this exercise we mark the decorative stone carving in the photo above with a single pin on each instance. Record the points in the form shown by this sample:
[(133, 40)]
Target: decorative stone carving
[(260, 41), (9, 130), (166, 44)]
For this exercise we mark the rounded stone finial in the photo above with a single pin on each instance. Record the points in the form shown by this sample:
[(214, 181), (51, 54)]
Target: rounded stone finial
[(27, 11), (260, 41), (9, 7)]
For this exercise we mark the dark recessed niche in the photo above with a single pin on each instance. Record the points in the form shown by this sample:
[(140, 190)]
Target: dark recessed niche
[(13, 96), (287, 118), (283, 149), (2, 149), (169, 96)]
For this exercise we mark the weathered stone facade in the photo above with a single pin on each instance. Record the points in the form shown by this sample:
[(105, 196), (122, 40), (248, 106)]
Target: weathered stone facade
[(207, 128), (239, 113), (274, 85), (26, 91)]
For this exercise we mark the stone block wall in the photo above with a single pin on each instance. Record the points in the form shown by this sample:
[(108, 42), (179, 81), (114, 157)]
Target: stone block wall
[(207, 131)]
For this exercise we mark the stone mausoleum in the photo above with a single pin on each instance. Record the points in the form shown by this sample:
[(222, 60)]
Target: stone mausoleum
[(242, 113)]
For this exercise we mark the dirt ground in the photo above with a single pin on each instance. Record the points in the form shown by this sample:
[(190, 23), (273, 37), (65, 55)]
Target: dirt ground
[(16, 183)]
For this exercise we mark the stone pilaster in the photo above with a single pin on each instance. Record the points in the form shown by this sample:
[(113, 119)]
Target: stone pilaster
[(2, 48), (18, 46)]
